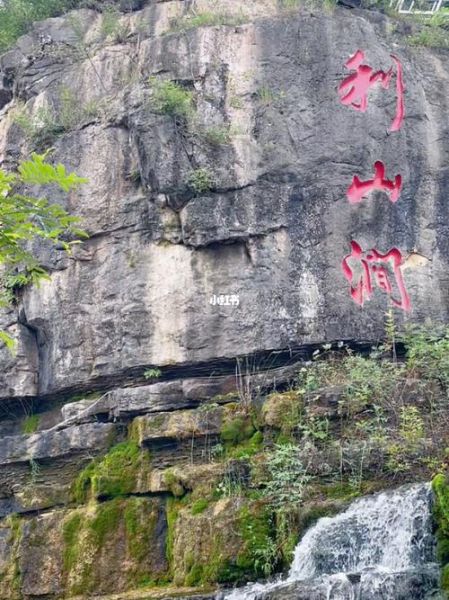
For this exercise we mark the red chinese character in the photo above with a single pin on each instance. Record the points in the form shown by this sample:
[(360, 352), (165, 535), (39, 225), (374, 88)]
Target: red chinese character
[(353, 90), (360, 189), (373, 265)]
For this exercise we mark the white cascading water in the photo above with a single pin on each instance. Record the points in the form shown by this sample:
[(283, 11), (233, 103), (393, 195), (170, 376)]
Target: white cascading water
[(380, 548)]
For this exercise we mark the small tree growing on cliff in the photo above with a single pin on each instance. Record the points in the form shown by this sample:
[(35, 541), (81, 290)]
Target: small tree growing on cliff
[(24, 218)]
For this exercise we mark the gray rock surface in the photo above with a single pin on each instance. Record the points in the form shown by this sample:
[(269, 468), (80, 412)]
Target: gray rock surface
[(51, 444), (276, 223)]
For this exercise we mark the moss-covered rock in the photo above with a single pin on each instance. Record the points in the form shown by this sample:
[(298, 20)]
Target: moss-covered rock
[(177, 425), (117, 473), (440, 486), (11, 530), (114, 546), (218, 542), (283, 410)]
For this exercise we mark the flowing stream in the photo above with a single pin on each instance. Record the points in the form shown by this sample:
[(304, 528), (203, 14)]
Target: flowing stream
[(380, 548)]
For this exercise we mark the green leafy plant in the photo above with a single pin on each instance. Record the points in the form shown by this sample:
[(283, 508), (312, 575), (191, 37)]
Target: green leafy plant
[(152, 373), (428, 352), (200, 180), (25, 218), (433, 32), (411, 427), (171, 98), (287, 475)]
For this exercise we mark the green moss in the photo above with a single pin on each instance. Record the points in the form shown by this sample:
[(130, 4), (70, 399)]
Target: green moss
[(12, 574), (70, 534), (156, 422), (106, 520), (440, 486), (89, 533), (30, 424), (445, 579), (135, 431), (172, 512), (113, 475), (256, 528), (283, 411), (236, 430), (82, 485), (173, 482), (340, 491), (247, 448), (199, 506), (140, 523)]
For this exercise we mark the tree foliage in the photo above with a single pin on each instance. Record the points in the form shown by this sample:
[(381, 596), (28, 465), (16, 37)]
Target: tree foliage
[(17, 16), (23, 218)]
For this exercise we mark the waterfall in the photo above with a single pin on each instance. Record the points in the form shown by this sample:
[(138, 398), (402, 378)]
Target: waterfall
[(380, 548)]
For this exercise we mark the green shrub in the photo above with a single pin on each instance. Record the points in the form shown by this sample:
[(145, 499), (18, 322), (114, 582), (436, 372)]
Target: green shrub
[(200, 180), (428, 353), (218, 135), (170, 98), (368, 380), (431, 36), (287, 475), (25, 218)]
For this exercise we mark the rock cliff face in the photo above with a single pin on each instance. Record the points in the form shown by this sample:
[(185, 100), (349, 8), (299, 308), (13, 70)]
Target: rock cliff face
[(246, 196)]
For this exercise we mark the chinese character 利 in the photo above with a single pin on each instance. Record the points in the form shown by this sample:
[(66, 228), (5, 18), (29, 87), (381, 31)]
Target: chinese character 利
[(353, 90), (360, 189), (372, 265)]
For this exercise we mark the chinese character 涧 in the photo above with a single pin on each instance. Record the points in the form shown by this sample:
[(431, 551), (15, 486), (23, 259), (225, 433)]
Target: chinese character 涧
[(360, 189), (353, 90), (362, 268)]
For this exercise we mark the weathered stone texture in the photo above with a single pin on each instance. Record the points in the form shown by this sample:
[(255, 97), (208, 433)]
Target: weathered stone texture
[(276, 223)]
